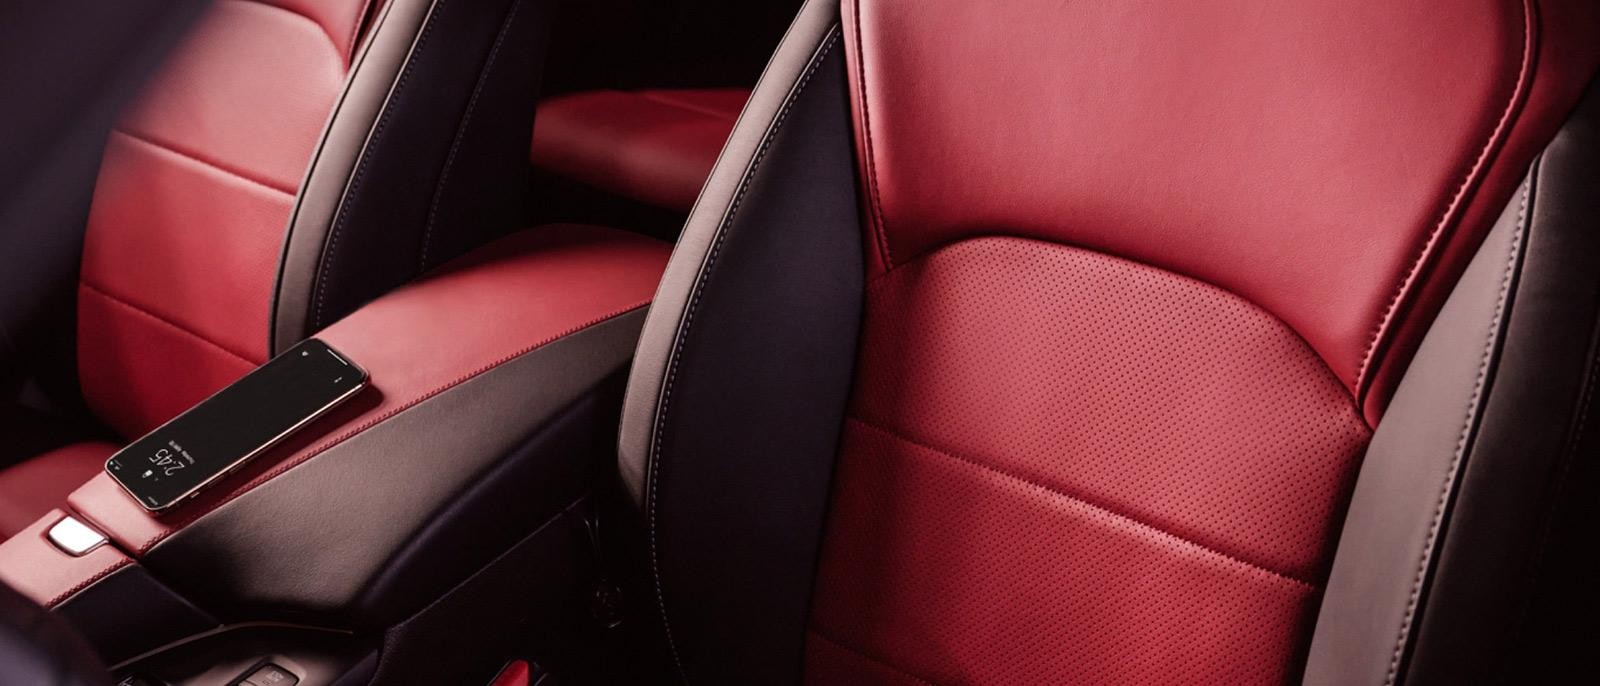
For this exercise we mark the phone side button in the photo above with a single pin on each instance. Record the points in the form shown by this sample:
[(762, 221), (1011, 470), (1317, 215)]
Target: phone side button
[(74, 537)]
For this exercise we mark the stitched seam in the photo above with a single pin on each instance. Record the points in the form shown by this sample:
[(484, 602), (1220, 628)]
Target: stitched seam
[(78, 587), (136, 309), (662, 410), (878, 224), (358, 58), (370, 423), (1454, 205), (210, 164), (1119, 516), (878, 282), (366, 157), (816, 631), (1425, 558), (461, 133), (355, 30), (686, 107)]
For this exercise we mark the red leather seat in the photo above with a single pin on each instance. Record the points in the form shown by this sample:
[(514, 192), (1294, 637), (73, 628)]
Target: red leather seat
[(195, 190), (1200, 342), (654, 146), (276, 173)]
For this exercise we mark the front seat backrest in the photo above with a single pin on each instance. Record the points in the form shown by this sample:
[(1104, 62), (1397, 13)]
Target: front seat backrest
[(292, 160), (1135, 285)]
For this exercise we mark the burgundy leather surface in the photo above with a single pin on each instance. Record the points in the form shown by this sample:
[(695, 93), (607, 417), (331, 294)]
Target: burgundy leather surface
[(1310, 157), (515, 673), (188, 220), (36, 568), (41, 483), (1131, 317), (429, 336), (655, 146), (1054, 447)]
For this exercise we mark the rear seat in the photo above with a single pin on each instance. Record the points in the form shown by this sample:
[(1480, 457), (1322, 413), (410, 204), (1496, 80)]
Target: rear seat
[(654, 146)]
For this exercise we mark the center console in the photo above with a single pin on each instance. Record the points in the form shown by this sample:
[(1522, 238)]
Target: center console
[(399, 537)]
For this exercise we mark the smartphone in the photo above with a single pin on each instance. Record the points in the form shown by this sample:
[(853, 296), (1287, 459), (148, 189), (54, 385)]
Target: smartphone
[(198, 447)]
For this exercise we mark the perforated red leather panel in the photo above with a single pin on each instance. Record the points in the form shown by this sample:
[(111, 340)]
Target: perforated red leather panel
[(1116, 446), (194, 195), (1324, 160), (1064, 467)]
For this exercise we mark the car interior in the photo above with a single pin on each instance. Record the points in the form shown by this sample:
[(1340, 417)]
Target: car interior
[(782, 341)]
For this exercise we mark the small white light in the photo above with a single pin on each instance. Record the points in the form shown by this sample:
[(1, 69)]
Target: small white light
[(74, 537)]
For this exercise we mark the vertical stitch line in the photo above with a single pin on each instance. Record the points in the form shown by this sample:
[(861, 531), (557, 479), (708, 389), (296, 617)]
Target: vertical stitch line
[(461, 133), (1473, 404), (878, 224), (1455, 204), (662, 411), (332, 251)]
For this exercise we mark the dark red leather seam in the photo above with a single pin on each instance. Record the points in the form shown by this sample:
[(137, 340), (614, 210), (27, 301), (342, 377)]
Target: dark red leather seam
[(878, 223), (355, 31), (364, 426), (817, 632), (197, 159), (876, 282), (684, 106), (1454, 206), (119, 564), (1141, 524), (164, 321)]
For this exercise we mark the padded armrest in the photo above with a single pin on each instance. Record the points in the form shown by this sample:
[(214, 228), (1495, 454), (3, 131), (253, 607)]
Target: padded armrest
[(467, 364)]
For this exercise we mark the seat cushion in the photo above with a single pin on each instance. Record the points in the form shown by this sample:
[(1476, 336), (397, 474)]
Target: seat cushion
[(654, 146), (34, 486)]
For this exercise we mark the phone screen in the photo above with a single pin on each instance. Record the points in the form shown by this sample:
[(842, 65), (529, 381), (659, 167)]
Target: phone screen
[(254, 413)]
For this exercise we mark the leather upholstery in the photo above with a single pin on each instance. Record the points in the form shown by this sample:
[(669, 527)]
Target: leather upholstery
[(773, 248), (268, 181), (980, 397), (1129, 325), (187, 224), (1322, 178), (422, 160), (1179, 457), (1511, 594), (426, 338), (204, 255), (655, 146), (39, 483), (36, 568)]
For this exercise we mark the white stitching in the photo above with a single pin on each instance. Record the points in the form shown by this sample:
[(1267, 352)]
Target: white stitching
[(461, 132), (653, 466), (1473, 404), (320, 286)]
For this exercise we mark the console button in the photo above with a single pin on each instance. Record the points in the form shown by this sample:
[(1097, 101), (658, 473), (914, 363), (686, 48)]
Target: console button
[(270, 675), (74, 537)]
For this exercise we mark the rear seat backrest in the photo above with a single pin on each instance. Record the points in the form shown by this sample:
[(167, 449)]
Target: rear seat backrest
[(197, 185), (388, 157)]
